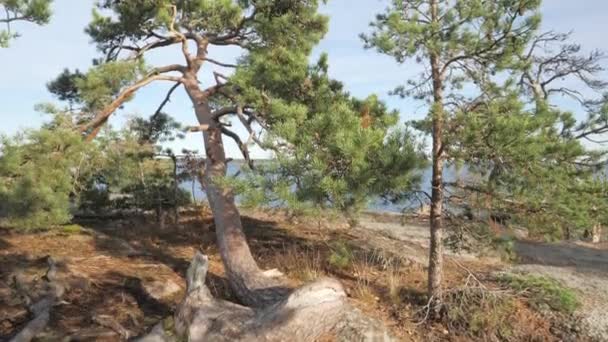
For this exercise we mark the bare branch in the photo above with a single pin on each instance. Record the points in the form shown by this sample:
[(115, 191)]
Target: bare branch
[(239, 143), (226, 65), (223, 111), (247, 123), (166, 100), (102, 117), (180, 37)]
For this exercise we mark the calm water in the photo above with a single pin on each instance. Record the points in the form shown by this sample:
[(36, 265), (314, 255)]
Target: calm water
[(377, 204)]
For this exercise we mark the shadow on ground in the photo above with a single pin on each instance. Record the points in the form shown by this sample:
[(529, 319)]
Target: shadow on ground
[(580, 257)]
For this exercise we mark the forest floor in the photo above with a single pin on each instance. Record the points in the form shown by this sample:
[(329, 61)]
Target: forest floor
[(125, 275)]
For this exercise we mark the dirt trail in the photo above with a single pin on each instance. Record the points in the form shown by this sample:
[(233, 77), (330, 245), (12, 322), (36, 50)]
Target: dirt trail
[(580, 266)]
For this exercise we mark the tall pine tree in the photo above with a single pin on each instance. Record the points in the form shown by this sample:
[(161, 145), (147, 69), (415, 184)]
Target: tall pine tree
[(455, 42)]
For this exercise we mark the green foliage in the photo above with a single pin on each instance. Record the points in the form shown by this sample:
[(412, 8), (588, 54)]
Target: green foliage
[(35, 11), (522, 162), (65, 86), (277, 23), (155, 187), (505, 246), (98, 87), (50, 173), (341, 255), (71, 229), (41, 171), (522, 156), (337, 151), (469, 38), (135, 169), (543, 292), (159, 128)]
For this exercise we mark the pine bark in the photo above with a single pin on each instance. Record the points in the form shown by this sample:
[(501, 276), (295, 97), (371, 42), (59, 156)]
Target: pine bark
[(252, 286), (435, 274)]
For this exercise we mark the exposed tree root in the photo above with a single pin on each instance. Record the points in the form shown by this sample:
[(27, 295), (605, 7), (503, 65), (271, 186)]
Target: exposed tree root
[(305, 314)]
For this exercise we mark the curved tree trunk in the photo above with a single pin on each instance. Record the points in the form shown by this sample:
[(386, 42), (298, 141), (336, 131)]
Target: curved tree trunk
[(304, 315), (272, 311), (251, 285)]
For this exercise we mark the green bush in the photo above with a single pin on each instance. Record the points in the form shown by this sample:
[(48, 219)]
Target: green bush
[(341, 255), (40, 174), (505, 245), (543, 292), (72, 229)]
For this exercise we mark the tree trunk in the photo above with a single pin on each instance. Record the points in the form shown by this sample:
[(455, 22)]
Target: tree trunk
[(596, 233), (436, 225), (193, 192), (273, 311), (251, 285), (175, 190)]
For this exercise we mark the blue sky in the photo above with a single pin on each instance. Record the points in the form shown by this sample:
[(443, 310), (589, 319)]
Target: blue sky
[(42, 52)]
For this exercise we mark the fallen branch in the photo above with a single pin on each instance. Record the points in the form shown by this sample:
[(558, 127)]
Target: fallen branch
[(41, 309)]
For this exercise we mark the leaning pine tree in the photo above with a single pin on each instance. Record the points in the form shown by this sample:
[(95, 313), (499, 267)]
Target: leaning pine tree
[(455, 42), (275, 38)]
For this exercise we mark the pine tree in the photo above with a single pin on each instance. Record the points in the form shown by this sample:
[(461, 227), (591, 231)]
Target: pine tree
[(43, 172), (529, 153), (35, 11), (275, 38), (457, 42)]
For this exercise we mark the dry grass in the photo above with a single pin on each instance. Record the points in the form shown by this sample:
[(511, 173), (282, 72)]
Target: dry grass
[(303, 265)]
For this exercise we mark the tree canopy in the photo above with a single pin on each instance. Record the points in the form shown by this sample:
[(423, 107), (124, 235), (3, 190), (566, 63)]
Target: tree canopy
[(34, 11)]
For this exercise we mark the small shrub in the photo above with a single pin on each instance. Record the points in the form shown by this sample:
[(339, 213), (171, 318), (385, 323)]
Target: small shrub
[(478, 312), (505, 245), (341, 255), (543, 292)]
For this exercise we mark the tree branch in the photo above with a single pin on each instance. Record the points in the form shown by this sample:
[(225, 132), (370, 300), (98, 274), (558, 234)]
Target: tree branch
[(102, 117), (223, 111), (239, 143), (226, 65)]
